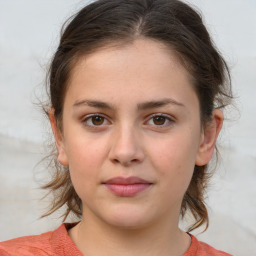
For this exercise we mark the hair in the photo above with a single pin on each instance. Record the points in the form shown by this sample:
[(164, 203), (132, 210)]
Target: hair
[(116, 22)]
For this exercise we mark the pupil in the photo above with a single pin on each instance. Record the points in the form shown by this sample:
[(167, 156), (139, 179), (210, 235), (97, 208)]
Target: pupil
[(159, 120), (97, 120)]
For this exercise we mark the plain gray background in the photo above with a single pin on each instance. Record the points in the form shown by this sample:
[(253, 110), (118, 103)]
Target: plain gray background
[(29, 33)]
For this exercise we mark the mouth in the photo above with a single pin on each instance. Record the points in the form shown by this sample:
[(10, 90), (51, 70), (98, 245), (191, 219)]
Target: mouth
[(127, 187)]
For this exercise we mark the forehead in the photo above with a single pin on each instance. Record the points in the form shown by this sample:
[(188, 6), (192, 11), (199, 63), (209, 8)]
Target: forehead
[(142, 53), (143, 67)]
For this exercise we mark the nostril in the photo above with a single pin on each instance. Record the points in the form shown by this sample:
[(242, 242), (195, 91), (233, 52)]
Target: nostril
[(125, 150), (116, 161), (125, 162)]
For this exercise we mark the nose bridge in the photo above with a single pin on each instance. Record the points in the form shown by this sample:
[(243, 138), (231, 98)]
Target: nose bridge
[(126, 147)]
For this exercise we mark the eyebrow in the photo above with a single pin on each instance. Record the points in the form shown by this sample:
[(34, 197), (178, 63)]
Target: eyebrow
[(140, 106), (93, 103), (158, 104)]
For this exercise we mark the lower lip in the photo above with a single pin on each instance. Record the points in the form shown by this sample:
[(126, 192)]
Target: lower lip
[(127, 190)]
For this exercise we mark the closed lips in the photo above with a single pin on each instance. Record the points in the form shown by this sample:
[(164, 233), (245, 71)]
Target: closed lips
[(127, 187), (126, 181)]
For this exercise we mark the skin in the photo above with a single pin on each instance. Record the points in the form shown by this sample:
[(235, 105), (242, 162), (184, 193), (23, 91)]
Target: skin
[(127, 141)]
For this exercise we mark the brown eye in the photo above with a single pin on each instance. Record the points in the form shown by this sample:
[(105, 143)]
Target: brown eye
[(97, 120), (159, 120)]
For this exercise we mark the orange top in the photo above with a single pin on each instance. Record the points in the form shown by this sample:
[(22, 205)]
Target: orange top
[(58, 243)]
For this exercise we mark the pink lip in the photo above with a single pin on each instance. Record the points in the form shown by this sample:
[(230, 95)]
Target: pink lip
[(127, 187)]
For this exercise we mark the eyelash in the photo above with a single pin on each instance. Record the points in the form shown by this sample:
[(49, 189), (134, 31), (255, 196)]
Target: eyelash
[(89, 117), (167, 119)]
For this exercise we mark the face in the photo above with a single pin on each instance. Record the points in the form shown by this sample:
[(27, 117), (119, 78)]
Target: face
[(131, 134)]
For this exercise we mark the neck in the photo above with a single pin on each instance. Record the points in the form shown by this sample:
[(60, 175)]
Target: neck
[(94, 237)]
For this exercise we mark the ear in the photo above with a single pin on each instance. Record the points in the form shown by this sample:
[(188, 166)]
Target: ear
[(209, 137), (62, 156)]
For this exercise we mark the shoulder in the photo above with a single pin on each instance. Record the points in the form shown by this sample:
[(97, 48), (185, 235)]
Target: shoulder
[(27, 245), (202, 249), (40, 245), (209, 250)]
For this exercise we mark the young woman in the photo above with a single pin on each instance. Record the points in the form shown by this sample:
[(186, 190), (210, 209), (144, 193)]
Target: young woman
[(136, 92)]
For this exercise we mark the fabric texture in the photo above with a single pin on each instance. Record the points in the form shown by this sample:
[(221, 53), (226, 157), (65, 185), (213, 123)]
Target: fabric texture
[(58, 243)]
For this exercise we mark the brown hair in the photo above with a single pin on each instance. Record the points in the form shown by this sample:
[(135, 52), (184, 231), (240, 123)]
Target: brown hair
[(171, 22)]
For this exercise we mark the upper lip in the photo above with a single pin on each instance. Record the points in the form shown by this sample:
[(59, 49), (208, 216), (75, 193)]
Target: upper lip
[(127, 181)]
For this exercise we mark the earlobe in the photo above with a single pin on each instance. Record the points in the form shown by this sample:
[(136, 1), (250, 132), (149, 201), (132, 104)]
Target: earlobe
[(62, 156), (209, 138)]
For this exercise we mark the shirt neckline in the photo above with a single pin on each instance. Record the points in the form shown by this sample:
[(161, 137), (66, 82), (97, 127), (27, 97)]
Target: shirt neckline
[(63, 245), (61, 242)]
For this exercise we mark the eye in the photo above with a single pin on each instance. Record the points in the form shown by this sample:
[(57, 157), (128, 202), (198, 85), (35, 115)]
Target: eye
[(95, 120), (160, 120)]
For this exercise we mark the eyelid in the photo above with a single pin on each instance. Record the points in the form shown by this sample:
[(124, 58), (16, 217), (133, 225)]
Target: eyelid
[(170, 118), (87, 117)]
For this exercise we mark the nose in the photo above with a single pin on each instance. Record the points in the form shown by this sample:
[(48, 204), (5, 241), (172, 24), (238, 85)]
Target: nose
[(126, 147)]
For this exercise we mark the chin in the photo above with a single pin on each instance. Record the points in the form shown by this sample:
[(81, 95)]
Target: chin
[(127, 218), (130, 223)]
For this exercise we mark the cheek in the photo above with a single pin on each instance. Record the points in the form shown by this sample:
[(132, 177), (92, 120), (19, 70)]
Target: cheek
[(85, 161), (174, 159), (84, 150)]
